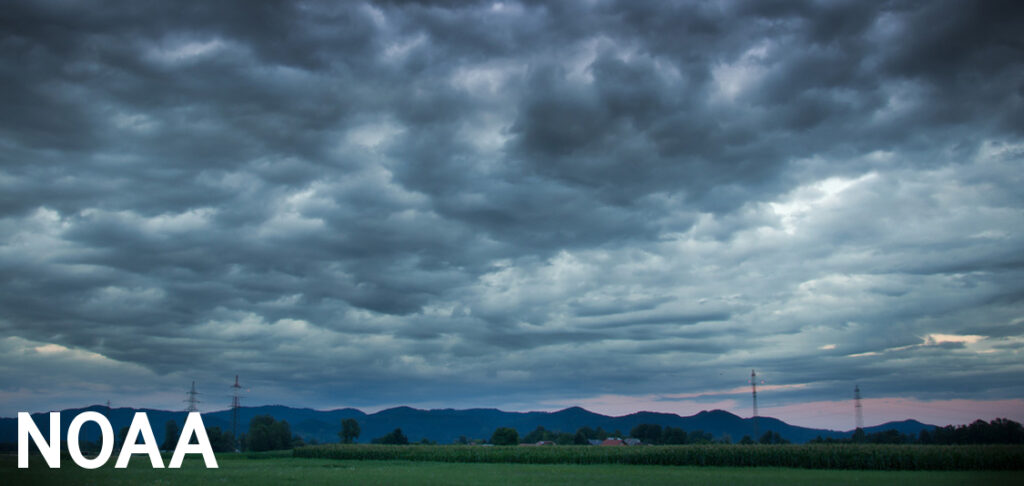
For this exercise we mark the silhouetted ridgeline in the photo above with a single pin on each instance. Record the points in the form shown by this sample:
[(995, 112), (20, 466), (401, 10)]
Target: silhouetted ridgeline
[(447, 425)]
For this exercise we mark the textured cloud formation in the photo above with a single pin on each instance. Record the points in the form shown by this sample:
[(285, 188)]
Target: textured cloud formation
[(510, 204)]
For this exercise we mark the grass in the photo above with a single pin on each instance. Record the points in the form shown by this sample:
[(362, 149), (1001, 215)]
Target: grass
[(275, 469), (804, 456)]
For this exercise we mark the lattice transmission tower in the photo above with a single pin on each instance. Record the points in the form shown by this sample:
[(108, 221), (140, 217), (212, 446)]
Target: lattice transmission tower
[(857, 408), (753, 392), (191, 399), (236, 403)]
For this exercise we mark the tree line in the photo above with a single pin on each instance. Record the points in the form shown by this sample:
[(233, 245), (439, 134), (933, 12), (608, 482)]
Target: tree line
[(998, 431), (267, 434)]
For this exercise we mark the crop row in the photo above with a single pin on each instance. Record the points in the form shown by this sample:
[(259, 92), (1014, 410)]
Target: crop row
[(808, 456)]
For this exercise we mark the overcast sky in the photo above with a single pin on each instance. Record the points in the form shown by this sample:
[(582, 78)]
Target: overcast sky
[(620, 205)]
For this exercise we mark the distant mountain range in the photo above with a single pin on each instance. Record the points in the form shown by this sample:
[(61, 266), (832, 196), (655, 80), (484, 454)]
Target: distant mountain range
[(446, 425)]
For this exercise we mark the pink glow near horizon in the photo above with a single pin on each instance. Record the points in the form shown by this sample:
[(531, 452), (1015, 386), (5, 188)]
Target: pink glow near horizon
[(840, 414), (837, 415), (618, 405)]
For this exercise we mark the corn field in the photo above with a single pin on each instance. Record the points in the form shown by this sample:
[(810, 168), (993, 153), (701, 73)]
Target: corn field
[(807, 456)]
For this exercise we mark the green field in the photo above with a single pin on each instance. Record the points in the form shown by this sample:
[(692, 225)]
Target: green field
[(885, 457), (282, 469)]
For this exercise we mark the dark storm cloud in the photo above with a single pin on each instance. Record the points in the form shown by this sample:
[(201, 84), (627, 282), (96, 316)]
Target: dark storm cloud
[(511, 201)]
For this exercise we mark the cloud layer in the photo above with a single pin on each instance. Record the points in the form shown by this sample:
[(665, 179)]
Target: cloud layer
[(511, 204)]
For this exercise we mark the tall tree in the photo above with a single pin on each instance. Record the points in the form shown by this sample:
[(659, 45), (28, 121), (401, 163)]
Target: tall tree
[(648, 433), (673, 435), (505, 436), (349, 431), (538, 434), (565, 438), (170, 436), (773, 437), (267, 434), (584, 435), (858, 436), (395, 437), (220, 441)]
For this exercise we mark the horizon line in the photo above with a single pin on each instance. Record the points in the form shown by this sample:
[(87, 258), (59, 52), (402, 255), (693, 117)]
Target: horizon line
[(100, 405)]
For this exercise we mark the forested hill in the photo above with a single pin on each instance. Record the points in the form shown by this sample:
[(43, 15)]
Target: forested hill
[(447, 425)]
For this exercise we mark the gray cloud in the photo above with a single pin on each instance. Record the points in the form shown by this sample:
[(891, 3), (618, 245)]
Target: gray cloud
[(510, 204)]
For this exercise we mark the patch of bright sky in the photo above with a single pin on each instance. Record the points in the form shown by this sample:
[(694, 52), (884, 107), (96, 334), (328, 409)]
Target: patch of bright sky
[(805, 199), (973, 343), (735, 78), (178, 52), (373, 134), (398, 51)]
